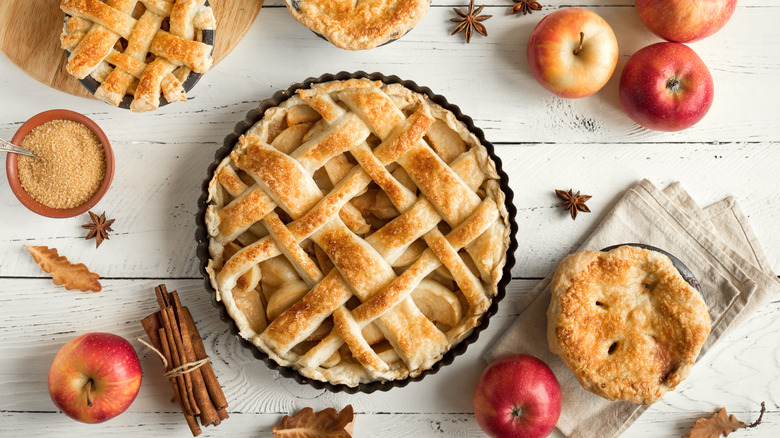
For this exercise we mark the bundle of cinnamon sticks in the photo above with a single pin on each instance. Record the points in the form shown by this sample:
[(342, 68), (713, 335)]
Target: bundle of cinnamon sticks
[(173, 333)]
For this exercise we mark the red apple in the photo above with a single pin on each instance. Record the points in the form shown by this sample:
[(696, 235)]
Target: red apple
[(666, 87), (684, 21), (572, 52), (95, 377), (517, 396)]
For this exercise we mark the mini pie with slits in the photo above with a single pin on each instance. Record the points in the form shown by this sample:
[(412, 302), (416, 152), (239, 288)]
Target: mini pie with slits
[(357, 232), (625, 322), (143, 48), (358, 24)]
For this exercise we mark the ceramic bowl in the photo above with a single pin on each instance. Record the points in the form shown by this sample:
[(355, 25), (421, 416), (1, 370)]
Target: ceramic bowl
[(12, 172)]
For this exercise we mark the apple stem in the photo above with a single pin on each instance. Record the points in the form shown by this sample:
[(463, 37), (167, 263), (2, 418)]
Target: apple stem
[(673, 84), (89, 396), (579, 48)]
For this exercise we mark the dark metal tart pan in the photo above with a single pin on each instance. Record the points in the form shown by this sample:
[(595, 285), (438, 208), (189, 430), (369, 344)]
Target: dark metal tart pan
[(202, 238)]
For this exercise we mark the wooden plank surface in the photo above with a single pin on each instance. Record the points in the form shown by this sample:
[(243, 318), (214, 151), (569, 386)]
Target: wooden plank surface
[(533, 131), (259, 397), (155, 214), (544, 143)]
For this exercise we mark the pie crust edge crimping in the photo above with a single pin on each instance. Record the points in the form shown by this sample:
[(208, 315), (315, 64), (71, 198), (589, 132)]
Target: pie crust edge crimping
[(348, 374)]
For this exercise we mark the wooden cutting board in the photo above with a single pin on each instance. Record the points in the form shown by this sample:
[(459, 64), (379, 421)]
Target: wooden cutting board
[(30, 37)]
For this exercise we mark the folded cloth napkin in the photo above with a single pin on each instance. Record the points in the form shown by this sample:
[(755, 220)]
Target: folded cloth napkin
[(716, 243)]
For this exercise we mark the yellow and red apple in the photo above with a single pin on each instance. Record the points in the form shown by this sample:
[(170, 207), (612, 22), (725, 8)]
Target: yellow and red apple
[(666, 87), (572, 52), (684, 21), (95, 377)]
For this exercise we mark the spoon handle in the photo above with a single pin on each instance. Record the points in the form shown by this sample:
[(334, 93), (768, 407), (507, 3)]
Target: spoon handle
[(10, 147)]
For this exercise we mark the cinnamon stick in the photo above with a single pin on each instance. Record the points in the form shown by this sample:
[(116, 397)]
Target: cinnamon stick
[(174, 360), (177, 338), (177, 348), (152, 327), (191, 422), (172, 331), (214, 388), (184, 380), (208, 414)]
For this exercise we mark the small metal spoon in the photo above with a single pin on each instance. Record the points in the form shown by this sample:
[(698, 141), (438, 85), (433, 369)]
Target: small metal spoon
[(10, 147)]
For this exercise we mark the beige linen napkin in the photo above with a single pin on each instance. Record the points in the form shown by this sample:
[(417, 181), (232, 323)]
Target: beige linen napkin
[(716, 243)]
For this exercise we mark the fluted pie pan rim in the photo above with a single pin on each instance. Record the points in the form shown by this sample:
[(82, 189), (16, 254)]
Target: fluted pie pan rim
[(202, 237)]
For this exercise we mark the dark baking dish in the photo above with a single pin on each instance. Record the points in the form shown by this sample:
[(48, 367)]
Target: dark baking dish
[(255, 115), (92, 85)]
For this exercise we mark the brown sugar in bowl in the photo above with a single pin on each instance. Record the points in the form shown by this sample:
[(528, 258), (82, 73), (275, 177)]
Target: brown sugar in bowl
[(11, 164)]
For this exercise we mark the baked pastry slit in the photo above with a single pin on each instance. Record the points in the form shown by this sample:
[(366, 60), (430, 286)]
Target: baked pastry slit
[(625, 322)]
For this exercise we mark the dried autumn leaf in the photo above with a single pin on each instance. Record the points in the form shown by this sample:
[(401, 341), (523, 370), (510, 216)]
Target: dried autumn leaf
[(309, 424), (720, 424), (65, 273)]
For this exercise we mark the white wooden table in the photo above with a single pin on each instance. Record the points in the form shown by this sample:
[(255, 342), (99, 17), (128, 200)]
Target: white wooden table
[(545, 143)]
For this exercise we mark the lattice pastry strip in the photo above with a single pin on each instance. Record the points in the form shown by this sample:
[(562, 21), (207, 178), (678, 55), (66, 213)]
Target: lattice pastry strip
[(289, 246), (301, 228), (92, 34), (400, 290), (341, 245), (353, 283), (369, 144), (449, 193), (329, 354), (317, 152)]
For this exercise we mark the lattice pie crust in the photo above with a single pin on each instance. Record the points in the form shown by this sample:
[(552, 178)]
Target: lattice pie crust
[(144, 48), (358, 232)]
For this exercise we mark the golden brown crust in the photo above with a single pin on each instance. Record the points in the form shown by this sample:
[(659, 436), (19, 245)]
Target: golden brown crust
[(625, 322), (92, 34), (358, 25), (369, 314), (179, 51)]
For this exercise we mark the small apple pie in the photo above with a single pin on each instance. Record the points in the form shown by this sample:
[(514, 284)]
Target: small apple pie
[(358, 25), (145, 49), (357, 232), (625, 322)]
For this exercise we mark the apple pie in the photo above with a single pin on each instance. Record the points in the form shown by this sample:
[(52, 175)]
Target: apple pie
[(357, 232), (625, 322), (141, 48), (358, 25)]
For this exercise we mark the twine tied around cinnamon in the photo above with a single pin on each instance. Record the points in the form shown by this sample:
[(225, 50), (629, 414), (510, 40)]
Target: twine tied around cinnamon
[(180, 370), (174, 336)]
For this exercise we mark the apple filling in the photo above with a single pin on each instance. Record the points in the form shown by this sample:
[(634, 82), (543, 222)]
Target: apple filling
[(357, 232)]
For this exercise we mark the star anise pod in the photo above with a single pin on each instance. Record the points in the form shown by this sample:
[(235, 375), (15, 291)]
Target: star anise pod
[(99, 228), (525, 6), (470, 21), (573, 202)]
